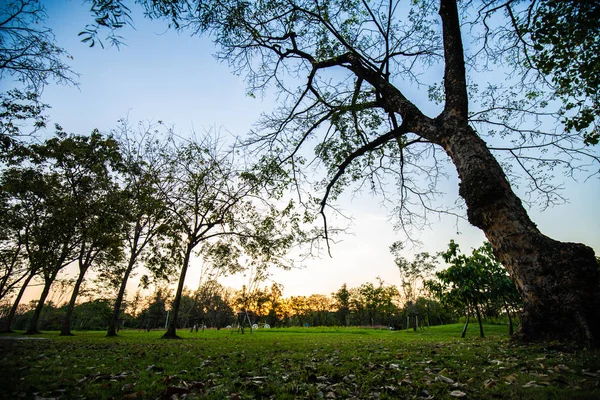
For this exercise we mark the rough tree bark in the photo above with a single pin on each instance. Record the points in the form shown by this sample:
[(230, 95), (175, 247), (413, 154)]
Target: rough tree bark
[(558, 281)]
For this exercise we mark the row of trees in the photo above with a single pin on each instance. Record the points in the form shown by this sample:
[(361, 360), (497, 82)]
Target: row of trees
[(366, 305), (471, 284), (111, 202)]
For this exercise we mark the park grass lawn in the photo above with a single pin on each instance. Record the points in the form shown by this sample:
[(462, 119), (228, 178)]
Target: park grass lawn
[(302, 363)]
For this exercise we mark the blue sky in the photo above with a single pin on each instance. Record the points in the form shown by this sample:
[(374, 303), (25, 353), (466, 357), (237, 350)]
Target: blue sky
[(162, 75)]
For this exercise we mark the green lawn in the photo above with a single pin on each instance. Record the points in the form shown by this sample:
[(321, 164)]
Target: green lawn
[(307, 363)]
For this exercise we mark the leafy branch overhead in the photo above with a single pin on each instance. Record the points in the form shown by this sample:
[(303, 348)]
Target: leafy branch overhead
[(564, 47), (28, 49)]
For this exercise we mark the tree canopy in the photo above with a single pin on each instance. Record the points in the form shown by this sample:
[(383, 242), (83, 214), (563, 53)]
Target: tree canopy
[(28, 50), (346, 72), (563, 46), (474, 282)]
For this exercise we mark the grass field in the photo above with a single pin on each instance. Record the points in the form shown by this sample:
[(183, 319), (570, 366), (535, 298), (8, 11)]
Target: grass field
[(310, 363)]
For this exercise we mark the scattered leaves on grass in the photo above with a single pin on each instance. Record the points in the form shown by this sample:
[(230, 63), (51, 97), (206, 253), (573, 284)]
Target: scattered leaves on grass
[(172, 391), (442, 378), (489, 383), (588, 373), (154, 368), (137, 395), (531, 384), (128, 387), (305, 364)]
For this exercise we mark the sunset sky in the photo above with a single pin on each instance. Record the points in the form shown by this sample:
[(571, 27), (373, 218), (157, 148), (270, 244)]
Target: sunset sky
[(162, 75)]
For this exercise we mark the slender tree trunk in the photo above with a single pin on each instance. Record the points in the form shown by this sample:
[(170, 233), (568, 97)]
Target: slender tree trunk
[(510, 322), (114, 321), (478, 311), (35, 318), (13, 310), (241, 325), (464, 331), (171, 332), (66, 328)]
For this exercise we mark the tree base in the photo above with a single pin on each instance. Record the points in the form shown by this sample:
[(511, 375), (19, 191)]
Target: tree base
[(170, 336), (562, 300)]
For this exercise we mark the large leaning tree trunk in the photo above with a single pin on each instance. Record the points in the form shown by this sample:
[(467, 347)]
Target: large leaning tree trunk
[(559, 282)]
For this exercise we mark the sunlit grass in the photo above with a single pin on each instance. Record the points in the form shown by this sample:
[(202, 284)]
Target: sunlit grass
[(294, 363)]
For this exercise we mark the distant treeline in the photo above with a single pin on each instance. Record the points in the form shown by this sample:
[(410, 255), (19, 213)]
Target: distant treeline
[(215, 306)]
